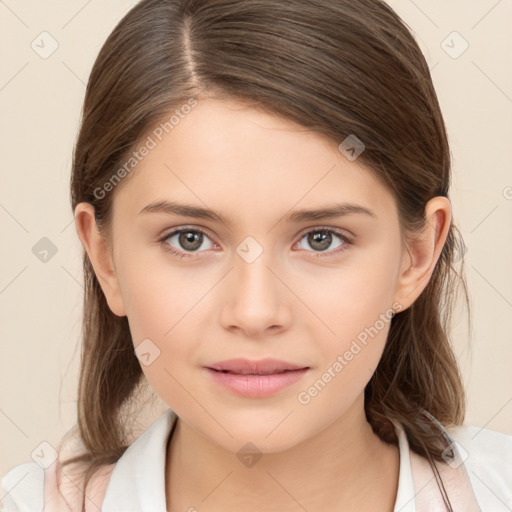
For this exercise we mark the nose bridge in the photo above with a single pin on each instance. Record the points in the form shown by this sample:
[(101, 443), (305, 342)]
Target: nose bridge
[(252, 275), (255, 297)]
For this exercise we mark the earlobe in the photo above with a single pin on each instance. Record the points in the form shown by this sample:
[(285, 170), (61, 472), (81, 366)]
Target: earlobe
[(98, 250), (424, 251)]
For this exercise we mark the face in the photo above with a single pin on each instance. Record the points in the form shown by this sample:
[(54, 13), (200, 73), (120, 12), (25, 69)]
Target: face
[(259, 278)]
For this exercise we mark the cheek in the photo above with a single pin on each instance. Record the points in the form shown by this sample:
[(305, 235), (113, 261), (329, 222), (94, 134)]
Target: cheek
[(352, 297), (163, 308), (352, 316), (158, 296), (349, 357), (163, 333)]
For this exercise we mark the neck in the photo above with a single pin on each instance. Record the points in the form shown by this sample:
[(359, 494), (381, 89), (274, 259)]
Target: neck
[(344, 467)]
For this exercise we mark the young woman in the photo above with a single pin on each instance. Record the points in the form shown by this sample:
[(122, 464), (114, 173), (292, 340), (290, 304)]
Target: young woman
[(262, 192)]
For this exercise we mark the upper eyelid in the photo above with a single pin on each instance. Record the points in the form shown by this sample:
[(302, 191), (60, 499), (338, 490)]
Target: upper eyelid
[(179, 229)]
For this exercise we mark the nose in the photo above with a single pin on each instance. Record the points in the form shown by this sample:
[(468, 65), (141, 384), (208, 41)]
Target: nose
[(257, 301)]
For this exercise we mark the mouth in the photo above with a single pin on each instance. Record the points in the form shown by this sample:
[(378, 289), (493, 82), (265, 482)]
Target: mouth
[(241, 372), (268, 366)]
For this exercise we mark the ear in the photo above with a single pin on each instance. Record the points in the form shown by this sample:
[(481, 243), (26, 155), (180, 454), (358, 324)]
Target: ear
[(423, 252), (100, 255)]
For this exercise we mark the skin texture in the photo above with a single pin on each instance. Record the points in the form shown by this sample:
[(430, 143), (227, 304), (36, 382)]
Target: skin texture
[(254, 168)]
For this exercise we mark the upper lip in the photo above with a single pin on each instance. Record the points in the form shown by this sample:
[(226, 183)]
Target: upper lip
[(263, 366)]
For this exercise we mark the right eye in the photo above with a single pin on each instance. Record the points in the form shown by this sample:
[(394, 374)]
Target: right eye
[(189, 241)]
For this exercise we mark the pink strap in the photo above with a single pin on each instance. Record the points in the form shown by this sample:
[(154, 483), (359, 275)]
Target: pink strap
[(53, 501), (62, 490), (456, 483)]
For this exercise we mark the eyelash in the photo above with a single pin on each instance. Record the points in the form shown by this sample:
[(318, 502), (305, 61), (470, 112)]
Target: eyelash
[(347, 242)]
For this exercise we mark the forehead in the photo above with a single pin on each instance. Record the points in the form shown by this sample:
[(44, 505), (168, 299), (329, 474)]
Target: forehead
[(236, 159)]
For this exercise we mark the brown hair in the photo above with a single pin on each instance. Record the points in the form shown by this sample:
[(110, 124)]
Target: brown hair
[(336, 66)]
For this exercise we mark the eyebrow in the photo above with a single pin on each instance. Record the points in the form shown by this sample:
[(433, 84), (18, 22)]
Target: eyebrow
[(198, 212)]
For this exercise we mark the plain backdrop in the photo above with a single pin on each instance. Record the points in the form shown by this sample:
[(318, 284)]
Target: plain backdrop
[(468, 47)]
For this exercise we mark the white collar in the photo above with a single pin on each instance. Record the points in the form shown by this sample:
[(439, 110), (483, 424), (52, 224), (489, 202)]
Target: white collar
[(405, 497), (137, 483)]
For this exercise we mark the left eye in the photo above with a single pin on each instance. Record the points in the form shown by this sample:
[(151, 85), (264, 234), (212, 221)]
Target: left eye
[(321, 240)]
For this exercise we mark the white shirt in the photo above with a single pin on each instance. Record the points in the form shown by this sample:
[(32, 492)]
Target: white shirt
[(137, 482)]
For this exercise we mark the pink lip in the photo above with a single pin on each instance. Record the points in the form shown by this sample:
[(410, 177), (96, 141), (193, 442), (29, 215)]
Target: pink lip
[(227, 374)]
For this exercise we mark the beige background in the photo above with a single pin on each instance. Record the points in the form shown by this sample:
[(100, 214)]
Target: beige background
[(41, 101)]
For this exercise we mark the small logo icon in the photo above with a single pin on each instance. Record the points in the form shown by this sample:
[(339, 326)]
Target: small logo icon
[(44, 455), (454, 455), (44, 250), (351, 147), (249, 250), (249, 455), (454, 45), (147, 352), (44, 45)]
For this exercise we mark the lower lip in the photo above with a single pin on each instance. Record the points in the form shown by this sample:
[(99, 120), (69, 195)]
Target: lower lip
[(257, 386)]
